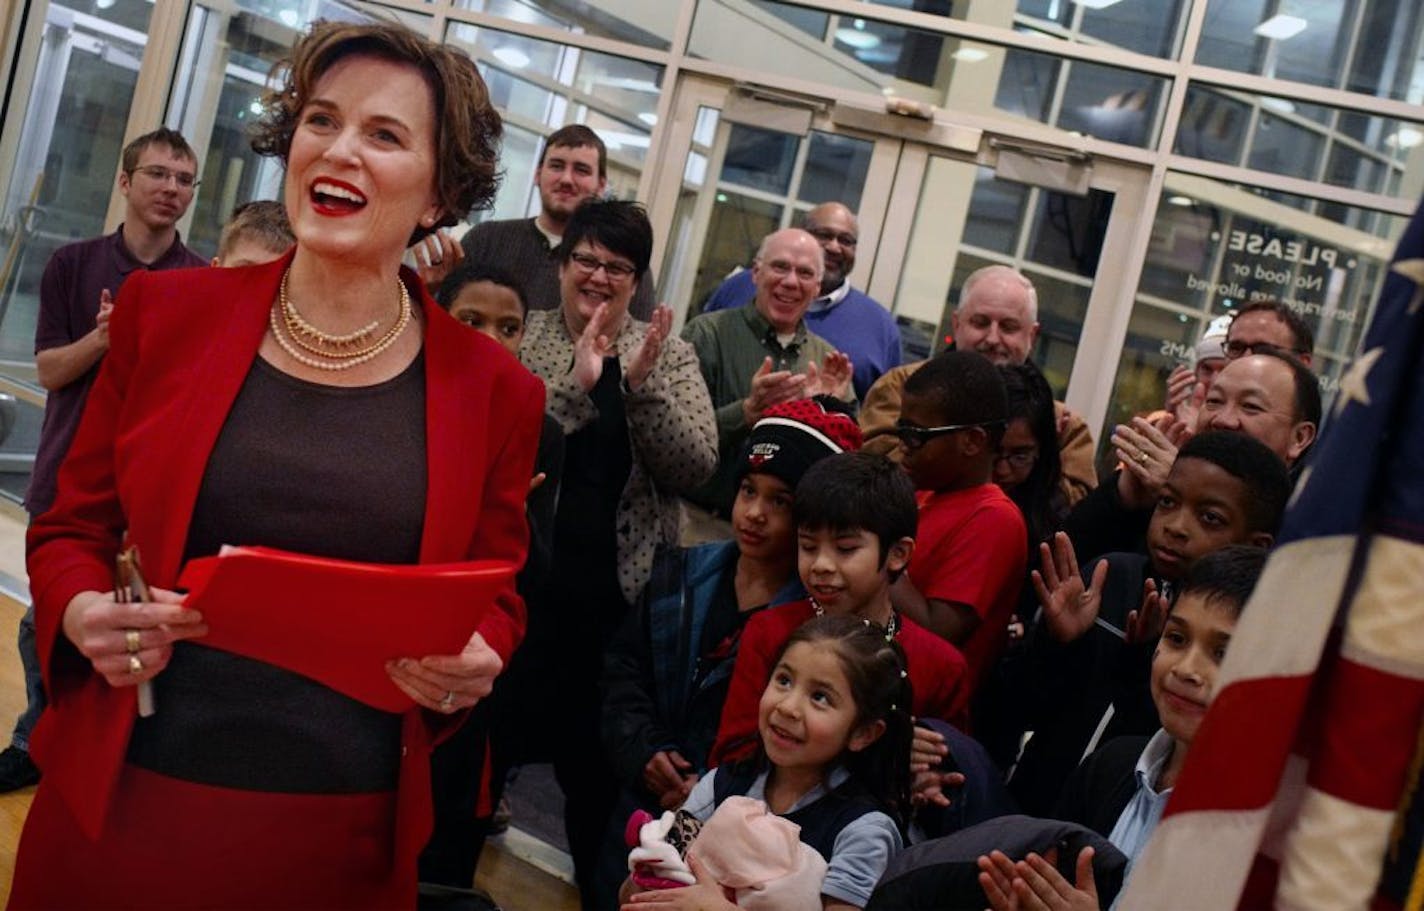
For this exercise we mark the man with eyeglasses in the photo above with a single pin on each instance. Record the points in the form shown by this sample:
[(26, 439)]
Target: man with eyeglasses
[(77, 291), (997, 316), (573, 167), (850, 319), (1266, 326), (756, 356)]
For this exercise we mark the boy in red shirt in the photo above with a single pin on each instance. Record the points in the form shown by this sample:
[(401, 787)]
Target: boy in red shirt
[(971, 547), (855, 522)]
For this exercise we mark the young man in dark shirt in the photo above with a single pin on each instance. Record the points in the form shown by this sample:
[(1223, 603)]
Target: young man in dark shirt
[(77, 295)]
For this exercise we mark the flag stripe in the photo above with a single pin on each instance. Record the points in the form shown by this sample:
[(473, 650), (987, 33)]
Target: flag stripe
[(1364, 706), (1333, 853)]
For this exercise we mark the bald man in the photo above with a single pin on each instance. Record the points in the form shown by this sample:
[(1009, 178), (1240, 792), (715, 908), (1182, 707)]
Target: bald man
[(851, 320), (762, 354)]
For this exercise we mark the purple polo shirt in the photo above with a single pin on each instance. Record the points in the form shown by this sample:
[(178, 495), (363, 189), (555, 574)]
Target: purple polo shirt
[(69, 306)]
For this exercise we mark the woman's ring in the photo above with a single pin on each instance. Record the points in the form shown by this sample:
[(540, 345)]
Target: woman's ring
[(135, 665), (448, 702), (1142, 458), (131, 640)]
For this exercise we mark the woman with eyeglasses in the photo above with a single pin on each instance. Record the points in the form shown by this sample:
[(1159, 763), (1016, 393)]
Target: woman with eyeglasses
[(639, 430), (323, 404), (1028, 469)]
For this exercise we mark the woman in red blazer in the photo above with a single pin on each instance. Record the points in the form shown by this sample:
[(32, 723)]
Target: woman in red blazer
[(320, 404)]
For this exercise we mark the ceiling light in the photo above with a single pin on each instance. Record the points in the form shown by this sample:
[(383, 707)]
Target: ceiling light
[(1281, 27), (1095, 4), (1180, 200), (1279, 105), (104, 4), (290, 18), (861, 41), (970, 55), (511, 56)]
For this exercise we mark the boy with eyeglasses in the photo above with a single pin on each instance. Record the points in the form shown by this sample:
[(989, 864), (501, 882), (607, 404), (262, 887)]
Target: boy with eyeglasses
[(80, 283), (972, 545)]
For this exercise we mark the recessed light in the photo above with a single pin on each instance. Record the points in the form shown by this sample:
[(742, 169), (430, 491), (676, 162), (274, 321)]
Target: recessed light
[(1279, 105), (1096, 4), (511, 56), (1180, 200), (970, 55), (1281, 27), (1405, 138)]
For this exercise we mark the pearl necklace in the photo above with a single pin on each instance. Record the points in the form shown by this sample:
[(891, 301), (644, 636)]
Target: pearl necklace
[(345, 360), (891, 628)]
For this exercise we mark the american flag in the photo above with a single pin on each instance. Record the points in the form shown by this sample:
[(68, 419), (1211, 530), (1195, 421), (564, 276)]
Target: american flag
[(1302, 788)]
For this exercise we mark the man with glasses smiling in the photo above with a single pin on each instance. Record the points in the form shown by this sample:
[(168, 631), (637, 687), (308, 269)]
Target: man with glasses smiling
[(1269, 327), (850, 319), (80, 283)]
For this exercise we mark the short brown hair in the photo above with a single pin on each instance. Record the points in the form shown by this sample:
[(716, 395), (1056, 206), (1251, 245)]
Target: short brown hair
[(467, 127), (262, 221), (162, 137), (576, 136)]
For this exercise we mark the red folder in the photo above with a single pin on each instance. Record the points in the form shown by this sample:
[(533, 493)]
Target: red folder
[(336, 621)]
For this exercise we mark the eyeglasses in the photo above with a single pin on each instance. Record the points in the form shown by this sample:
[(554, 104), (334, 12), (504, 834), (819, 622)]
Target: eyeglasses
[(1235, 349), (588, 265), (914, 437), (826, 235), (160, 174), (781, 268), (1019, 458)]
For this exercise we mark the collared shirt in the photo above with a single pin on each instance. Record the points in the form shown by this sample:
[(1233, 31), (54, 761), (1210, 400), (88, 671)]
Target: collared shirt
[(1142, 813), (73, 280), (827, 301)]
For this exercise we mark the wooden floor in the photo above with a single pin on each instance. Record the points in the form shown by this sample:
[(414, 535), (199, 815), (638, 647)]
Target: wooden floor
[(514, 884)]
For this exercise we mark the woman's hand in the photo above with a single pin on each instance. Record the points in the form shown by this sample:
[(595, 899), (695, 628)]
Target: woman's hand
[(646, 357), (129, 643), (927, 748), (448, 683), (591, 348), (706, 895)]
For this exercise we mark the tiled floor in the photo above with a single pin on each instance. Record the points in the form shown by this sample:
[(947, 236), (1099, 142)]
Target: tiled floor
[(510, 869)]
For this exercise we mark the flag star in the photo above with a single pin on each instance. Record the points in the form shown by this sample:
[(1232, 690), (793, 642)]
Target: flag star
[(1412, 269), (1354, 384)]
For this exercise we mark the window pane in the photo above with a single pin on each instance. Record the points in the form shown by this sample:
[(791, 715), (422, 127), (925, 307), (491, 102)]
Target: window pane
[(1318, 42), (760, 159), (865, 55), (734, 231), (633, 21), (835, 169), (1315, 142), (996, 210)]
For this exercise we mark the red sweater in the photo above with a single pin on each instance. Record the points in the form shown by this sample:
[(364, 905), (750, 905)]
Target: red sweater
[(939, 677)]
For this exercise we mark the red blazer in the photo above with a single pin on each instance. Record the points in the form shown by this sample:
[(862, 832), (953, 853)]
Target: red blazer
[(181, 344), (939, 678)]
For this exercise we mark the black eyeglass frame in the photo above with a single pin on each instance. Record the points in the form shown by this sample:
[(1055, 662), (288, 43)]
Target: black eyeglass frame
[(913, 437)]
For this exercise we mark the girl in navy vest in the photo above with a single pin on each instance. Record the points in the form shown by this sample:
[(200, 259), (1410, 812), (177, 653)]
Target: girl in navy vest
[(834, 758)]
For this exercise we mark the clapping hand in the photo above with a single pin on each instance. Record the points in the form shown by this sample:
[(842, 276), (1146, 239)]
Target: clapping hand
[(646, 357), (831, 378), (591, 348), (1034, 884), (1069, 606), (771, 387)]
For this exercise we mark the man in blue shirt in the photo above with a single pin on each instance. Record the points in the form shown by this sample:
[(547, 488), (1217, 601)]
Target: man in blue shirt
[(851, 320)]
